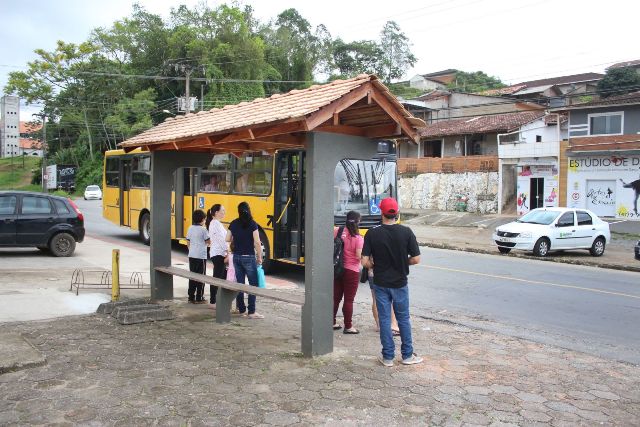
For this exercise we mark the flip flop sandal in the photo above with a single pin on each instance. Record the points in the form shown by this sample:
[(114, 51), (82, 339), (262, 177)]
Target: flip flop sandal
[(337, 327), (395, 333)]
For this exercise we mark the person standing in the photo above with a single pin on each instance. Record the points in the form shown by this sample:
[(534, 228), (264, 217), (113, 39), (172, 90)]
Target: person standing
[(247, 255), (197, 242), (347, 283), (218, 250), (390, 249)]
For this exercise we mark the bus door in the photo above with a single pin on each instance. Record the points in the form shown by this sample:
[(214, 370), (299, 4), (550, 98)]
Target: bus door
[(184, 199), (125, 185), (288, 217)]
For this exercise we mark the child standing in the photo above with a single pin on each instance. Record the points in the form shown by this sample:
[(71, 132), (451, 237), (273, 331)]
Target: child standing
[(197, 242)]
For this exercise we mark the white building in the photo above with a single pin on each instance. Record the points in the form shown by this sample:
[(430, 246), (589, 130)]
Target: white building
[(528, 162), (9, 126)]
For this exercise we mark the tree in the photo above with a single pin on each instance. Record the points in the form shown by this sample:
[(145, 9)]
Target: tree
[(396, 53), (475, 81), (353, 58), (618, 81)]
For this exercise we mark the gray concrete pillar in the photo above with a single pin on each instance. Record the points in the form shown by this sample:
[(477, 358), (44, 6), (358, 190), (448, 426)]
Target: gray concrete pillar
[(163, 164), (324, 151)]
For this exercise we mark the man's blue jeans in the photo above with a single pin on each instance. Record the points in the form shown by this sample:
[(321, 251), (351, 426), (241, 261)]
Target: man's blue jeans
[(399, 298), (246, 265)]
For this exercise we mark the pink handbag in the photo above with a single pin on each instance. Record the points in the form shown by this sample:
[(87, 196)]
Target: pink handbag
[(231, 272)]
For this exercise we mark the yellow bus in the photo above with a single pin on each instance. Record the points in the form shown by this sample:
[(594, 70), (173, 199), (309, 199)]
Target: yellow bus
[(272, 184)]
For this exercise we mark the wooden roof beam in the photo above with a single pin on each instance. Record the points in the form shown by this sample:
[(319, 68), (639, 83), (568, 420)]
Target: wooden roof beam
[(383, 131), (231, 137), (390, 109), (325, 113)]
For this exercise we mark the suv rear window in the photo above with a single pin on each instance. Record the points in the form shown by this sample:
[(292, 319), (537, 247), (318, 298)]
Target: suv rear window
[(35, 205), (61, 207), (7, 205)]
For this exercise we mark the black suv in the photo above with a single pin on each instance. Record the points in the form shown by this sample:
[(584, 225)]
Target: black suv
[(37, 219)]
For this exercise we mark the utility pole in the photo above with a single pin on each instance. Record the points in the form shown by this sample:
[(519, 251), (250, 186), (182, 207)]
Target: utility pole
[(43, 115), (187, 68)]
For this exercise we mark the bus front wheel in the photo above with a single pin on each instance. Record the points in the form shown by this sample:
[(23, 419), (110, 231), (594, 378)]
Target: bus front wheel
[(267, 262), (145, 228)]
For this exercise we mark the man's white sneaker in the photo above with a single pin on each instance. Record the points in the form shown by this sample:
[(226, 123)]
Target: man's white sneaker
[(414, 359), (386, 362)]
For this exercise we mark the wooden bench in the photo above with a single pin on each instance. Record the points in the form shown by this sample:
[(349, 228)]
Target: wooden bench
[(227, 291)]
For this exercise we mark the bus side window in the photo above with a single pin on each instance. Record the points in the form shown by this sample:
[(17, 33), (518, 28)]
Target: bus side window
[(141, 172), (112, 172), (216, 177)]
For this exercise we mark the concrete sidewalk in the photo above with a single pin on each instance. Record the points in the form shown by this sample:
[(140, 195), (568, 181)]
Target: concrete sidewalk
[(470, 232), (192, 371)]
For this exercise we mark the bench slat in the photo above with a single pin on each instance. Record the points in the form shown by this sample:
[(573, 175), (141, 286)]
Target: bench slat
[(233, 286)]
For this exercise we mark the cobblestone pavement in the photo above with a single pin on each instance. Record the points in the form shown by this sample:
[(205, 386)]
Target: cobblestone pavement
[(192, 371)]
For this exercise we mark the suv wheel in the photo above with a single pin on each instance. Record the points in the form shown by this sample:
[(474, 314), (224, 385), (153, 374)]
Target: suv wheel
[(62, 244)]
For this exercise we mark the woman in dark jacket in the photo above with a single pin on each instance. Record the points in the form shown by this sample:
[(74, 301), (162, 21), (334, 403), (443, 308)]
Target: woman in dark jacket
[(247, 255)]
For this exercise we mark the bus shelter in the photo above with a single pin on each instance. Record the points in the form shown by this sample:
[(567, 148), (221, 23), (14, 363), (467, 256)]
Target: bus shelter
[(339, 120)]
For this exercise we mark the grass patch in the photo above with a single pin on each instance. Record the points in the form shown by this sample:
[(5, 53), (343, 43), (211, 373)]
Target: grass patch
[(13, 176)]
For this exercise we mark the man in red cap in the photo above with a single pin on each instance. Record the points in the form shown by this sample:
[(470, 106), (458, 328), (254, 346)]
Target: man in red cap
[(390, 249)]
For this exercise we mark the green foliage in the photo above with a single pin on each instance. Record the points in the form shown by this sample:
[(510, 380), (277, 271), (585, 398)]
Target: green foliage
[(15, 176), (404, 90), (97, 93), (619, 81), (396, 52), (475, 81)]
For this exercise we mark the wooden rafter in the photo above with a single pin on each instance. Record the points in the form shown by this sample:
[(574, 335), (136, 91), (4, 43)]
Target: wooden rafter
[(327, 112), (386, 105)]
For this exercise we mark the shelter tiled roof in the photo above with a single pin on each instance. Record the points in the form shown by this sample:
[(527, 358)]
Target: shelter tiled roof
[(305, 106), (480, 124)]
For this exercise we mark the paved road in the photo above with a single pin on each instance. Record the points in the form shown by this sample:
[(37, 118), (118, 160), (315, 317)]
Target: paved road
[(581, 308)]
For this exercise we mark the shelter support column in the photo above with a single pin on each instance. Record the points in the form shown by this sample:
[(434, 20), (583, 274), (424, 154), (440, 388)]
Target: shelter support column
[(163, 165), (323, 152)]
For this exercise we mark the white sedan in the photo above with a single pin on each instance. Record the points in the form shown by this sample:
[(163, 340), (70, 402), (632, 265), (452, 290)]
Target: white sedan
[(549, 229), (92, 192)]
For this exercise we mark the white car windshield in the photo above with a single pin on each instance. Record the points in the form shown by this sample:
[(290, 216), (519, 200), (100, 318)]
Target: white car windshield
[(93, 188), (539, 217)]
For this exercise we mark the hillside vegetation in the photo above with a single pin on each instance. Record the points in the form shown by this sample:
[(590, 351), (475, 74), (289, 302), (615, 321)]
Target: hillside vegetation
[(13, 176)]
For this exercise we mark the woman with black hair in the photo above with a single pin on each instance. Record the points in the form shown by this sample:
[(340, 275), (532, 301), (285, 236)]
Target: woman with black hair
[(218, 248), (347, 283), (247, 255)]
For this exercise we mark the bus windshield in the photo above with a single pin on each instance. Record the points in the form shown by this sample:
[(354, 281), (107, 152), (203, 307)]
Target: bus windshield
[(359, 185)]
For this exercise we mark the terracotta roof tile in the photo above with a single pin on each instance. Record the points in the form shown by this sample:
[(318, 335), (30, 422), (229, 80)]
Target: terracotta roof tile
[(634, 63), (503, 90), (277, 108), (627, 99), (480, 124)]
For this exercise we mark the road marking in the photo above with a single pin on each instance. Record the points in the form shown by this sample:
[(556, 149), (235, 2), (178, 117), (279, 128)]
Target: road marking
[(484, 220), (533, 282), (617, 222)]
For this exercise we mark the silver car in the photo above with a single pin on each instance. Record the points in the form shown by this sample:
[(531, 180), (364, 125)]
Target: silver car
[(548, 229)]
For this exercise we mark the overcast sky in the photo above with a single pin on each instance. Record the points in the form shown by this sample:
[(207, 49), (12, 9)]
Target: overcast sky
[(514, 40)]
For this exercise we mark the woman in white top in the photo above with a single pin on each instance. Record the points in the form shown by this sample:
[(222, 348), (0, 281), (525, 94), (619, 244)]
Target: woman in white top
[(218, 248)]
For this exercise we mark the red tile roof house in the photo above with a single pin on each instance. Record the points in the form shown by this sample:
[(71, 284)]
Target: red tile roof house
[(603, 156), (460, 157), (29, 145)]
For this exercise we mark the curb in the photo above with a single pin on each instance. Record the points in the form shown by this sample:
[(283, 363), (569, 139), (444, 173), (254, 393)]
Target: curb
[(525, 256)]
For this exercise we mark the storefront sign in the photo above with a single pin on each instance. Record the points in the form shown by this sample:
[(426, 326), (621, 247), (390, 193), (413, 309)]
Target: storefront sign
[(607, 185)]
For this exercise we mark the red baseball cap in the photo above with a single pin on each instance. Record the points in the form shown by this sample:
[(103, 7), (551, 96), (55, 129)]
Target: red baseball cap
[(389, 206)]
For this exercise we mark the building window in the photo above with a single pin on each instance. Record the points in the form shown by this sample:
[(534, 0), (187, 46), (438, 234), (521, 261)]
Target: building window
[(538, 138), (606, 123)]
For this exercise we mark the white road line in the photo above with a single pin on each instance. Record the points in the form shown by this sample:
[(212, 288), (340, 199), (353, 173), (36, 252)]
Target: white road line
[(532, 282), (480, 222), (618, 222)]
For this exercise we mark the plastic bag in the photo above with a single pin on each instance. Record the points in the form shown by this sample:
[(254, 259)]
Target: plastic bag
[(231, 272), (262, 282)]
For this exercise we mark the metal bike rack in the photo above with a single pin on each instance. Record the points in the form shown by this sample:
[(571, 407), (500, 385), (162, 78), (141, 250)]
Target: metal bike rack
[(101, 279)]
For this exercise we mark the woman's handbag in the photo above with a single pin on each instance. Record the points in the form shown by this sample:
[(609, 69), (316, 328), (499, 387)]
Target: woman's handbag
[(231, 272), (364, 275), (262, 283)]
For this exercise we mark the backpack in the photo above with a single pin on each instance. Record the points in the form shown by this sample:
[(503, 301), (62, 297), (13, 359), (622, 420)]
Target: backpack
[(338, 255)]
